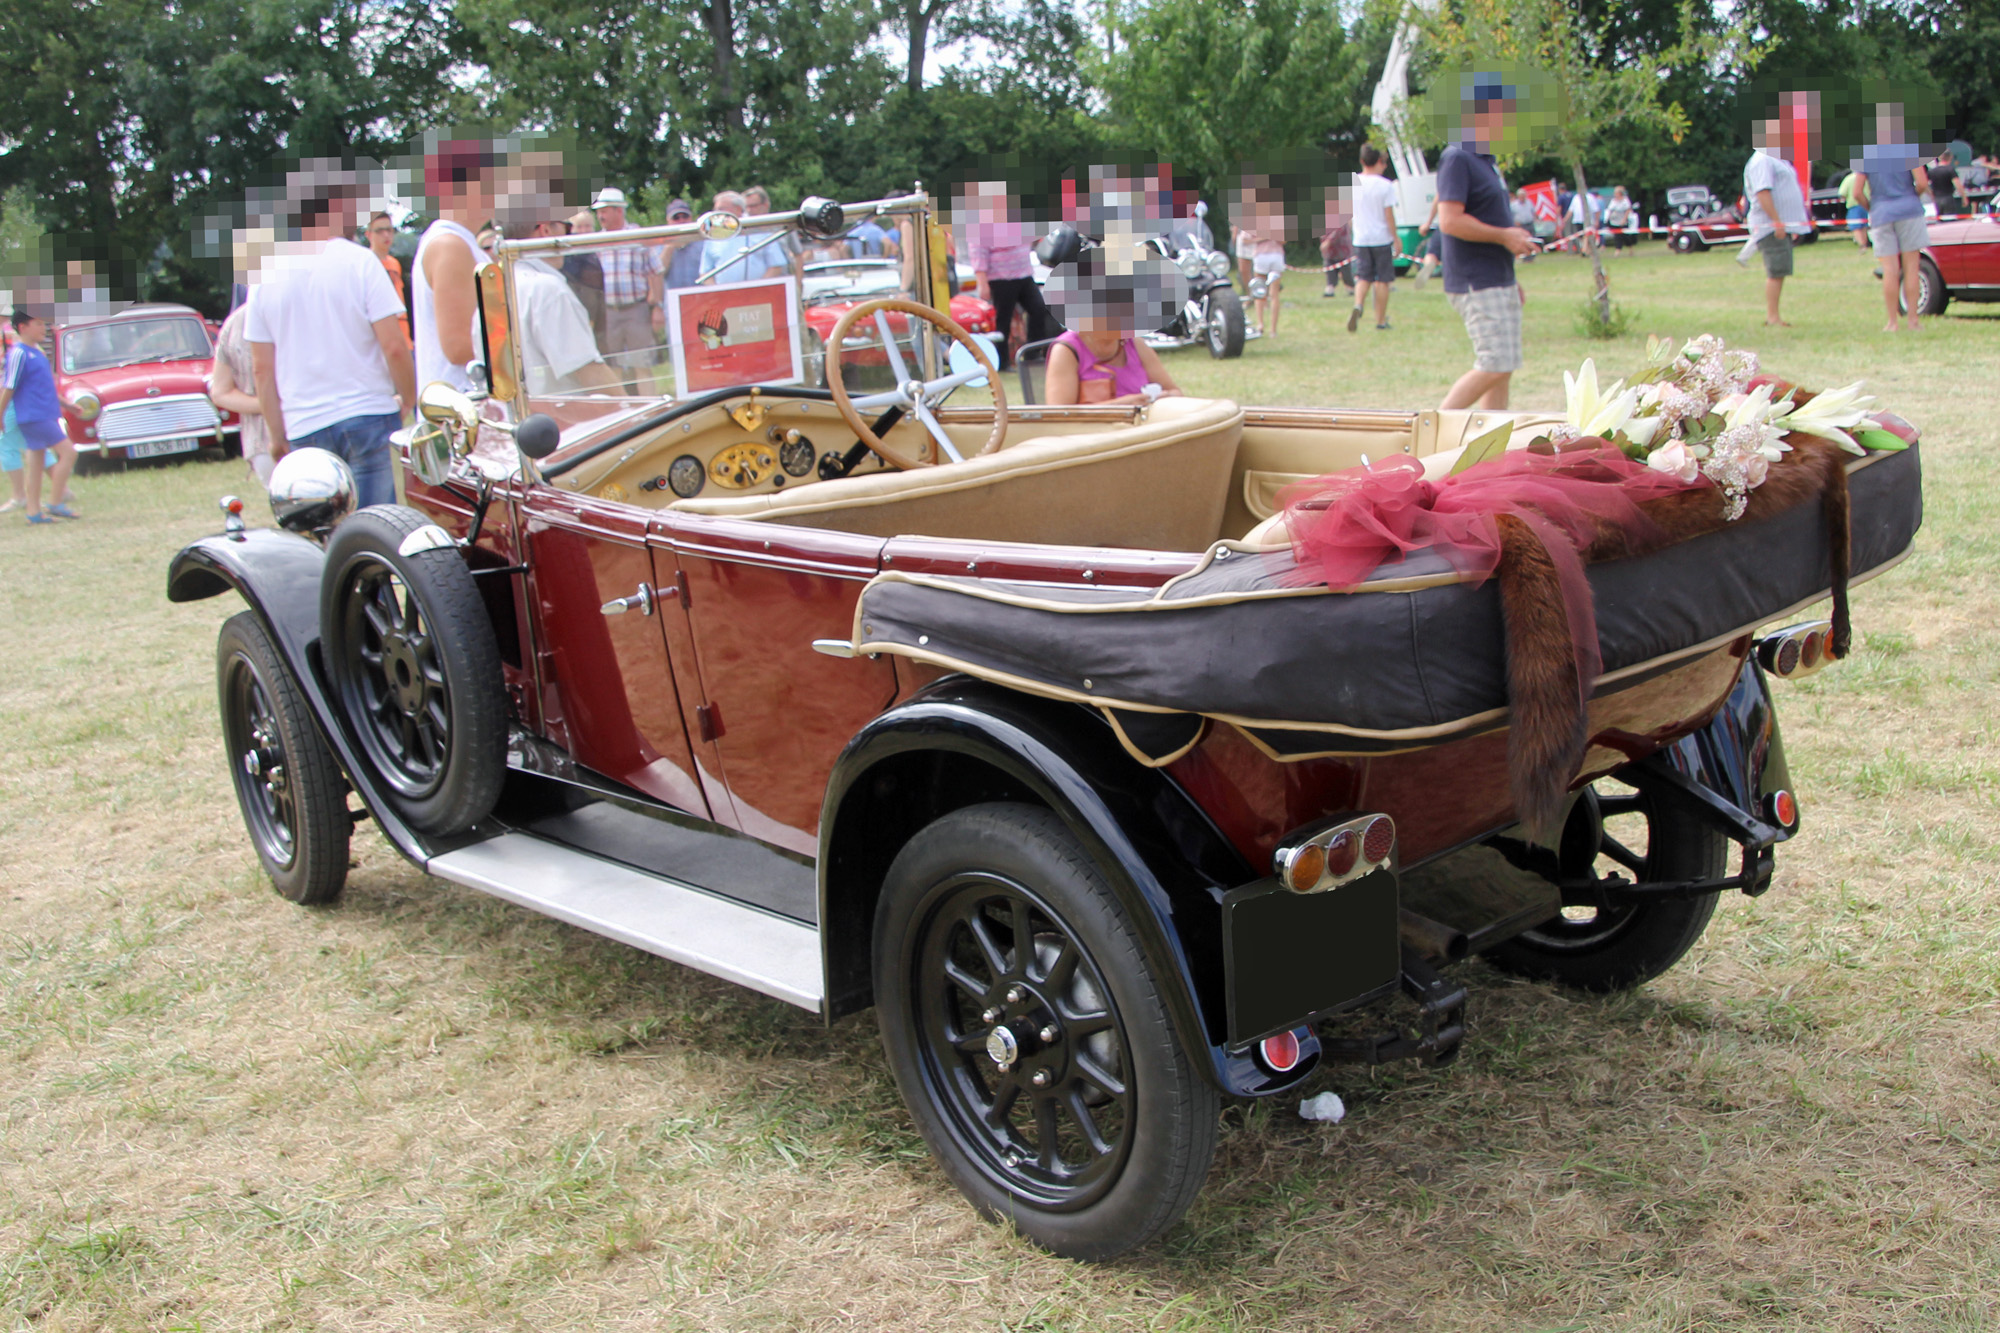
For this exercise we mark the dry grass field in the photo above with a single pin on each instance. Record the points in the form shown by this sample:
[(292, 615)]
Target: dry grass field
[(424, 1108)]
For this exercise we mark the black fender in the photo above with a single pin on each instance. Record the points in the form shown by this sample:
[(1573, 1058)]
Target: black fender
[(278, 574), (1725, 771), (962, 741)]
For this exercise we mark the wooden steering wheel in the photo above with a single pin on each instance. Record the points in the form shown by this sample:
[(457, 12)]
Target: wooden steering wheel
[(921, 397)]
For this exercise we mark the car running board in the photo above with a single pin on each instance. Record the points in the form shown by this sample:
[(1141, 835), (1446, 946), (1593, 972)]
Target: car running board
[(661, 915)]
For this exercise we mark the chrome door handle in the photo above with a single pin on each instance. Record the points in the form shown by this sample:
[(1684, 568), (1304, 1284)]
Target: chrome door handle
[(642, 601)]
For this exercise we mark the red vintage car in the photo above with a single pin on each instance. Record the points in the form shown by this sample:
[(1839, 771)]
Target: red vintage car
[(134, 384), (1960, 263), (1019, 725), (832, 289)]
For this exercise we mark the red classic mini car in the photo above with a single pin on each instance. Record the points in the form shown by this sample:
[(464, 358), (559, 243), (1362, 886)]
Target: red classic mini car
[(1019, 725), (134, 384)]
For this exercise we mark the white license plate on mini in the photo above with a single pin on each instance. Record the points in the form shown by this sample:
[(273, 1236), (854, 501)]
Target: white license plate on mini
[(186, 444)]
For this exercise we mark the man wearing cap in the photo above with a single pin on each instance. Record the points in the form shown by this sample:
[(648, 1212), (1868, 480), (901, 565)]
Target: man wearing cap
[(1480, 245), (632, 292), (684, 255)]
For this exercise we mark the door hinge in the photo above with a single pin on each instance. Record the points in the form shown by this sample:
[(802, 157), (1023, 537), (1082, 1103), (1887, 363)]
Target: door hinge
[(708, 722)]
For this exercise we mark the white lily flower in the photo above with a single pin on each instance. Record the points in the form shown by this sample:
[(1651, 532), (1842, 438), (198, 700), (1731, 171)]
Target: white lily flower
[(1592, 412), (1675, 460), (1641, 430), (1830, 416)]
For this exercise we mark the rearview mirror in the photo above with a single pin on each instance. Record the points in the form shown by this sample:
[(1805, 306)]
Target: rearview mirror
[(442, 405), (718, 226)]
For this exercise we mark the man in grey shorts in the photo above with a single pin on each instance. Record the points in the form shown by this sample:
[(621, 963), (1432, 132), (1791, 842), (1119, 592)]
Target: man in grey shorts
[(1893, 186), (1777, 204), (1480, 244)]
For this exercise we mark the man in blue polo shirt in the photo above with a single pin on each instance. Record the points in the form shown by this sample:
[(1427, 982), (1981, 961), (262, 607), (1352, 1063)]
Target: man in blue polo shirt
[(1480, 243), (29, 387)]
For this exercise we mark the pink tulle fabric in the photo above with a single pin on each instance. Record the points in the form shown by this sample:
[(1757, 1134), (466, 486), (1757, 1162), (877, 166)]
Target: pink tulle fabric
[(1347, 524)]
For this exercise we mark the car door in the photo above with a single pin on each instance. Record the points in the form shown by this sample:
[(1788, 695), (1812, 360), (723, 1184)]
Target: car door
[(609, 693), (777, 712)]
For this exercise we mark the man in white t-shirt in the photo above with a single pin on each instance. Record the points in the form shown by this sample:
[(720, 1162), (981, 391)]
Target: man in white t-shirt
[(1777, 210), (1376, 244), (327, 351), (559, 354)]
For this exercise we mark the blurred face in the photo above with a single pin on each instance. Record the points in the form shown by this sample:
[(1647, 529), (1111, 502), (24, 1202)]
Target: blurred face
[(380, 232), (32, 332), (756, 203), (1489, 121), (611, 217)]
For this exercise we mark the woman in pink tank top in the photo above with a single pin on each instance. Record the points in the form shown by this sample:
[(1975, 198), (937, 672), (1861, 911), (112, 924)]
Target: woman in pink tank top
[(1105, 366)]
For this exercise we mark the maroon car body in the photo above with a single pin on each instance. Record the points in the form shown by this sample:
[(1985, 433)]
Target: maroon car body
[(134, 384), (696, 740)]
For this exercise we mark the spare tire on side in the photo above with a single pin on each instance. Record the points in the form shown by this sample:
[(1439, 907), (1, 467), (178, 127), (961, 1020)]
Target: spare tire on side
[(410, 654)]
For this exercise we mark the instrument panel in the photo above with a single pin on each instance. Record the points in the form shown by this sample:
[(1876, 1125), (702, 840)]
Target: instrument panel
[(757, 446)]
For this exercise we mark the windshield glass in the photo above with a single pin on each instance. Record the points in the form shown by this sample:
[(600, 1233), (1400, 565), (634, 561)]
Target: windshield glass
[(852, 282), (129, 342)]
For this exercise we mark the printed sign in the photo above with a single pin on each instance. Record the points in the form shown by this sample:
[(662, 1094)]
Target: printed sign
[(734, 334)]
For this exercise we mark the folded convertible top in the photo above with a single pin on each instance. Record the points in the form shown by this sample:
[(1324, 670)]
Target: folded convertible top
[(1413, 656)]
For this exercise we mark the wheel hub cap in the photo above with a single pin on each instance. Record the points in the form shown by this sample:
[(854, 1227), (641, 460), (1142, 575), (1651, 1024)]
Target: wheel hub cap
[(1003, 1047), (404, 673)]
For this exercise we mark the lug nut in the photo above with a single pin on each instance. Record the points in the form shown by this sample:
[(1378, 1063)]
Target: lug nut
[(1048, 1033), (1015, 995), (1041, 1079), (990, 1016)]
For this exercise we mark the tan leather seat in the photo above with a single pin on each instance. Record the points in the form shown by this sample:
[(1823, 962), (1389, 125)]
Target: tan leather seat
[(1161, 484)]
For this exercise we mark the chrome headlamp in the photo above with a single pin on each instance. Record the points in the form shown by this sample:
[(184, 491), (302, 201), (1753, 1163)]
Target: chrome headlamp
[(86, 404), (1218, 264)]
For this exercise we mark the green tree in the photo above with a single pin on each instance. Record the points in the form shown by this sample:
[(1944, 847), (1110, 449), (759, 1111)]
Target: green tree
[(1210, 87)]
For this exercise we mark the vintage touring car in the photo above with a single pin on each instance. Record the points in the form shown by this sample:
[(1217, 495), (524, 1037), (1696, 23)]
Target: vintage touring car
[(1010, 723)]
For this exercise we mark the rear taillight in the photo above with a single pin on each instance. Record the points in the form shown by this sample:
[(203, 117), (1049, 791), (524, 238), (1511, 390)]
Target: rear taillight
[(1281, 1054), (1331, 856), (1783, 809), (1797, 650)]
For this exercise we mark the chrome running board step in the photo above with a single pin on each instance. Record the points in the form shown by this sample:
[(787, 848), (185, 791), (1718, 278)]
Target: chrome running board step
[(652, 912)]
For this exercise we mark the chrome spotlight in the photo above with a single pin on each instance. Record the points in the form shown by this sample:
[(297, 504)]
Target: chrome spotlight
[(311, 490)]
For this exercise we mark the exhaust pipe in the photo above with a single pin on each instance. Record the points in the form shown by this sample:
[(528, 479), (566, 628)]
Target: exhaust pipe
[(1433, 939)]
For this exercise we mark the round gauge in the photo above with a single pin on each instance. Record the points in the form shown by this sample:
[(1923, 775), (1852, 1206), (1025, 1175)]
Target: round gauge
[(797, 455), (686, 476), (741, 466)]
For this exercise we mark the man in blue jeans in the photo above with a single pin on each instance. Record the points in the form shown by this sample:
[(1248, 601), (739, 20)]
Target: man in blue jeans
[(333, 369)]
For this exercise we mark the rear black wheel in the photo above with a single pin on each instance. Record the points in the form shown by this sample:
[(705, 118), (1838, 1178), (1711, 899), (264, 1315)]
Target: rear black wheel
[(413, 662), (1029, 1038), (1597, 943), (293, 799), (1686, 243), (1932, 294)]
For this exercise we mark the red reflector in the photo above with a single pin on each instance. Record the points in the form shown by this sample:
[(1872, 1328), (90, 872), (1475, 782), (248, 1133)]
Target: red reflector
[(235, 505), (1788, 657), (1280, 1053), (1378, 840), (1785, 807), (1308, 864), (1342, 850)]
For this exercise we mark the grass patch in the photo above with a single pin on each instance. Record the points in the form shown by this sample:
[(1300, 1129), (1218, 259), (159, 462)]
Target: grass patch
[(425, 1108)]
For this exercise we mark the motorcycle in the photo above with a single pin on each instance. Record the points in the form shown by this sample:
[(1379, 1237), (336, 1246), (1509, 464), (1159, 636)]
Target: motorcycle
[(1213, 312)]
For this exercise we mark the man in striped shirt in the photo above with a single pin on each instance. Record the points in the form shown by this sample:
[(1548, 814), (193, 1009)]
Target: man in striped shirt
[(633, 315)]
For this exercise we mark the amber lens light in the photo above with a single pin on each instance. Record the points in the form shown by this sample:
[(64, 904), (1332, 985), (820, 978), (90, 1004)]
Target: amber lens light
[(1303, 871), (1815, 647), (1341, 850), (1378, 840), (1280, 1053)]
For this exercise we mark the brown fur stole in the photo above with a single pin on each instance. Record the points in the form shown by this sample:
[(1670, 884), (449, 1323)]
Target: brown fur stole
[(1549, 704)]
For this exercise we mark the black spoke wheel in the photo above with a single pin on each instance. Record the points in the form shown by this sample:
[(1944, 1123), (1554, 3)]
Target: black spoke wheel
[(415, 668), (1598, 942), (1029, 1038), (293, 798)]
